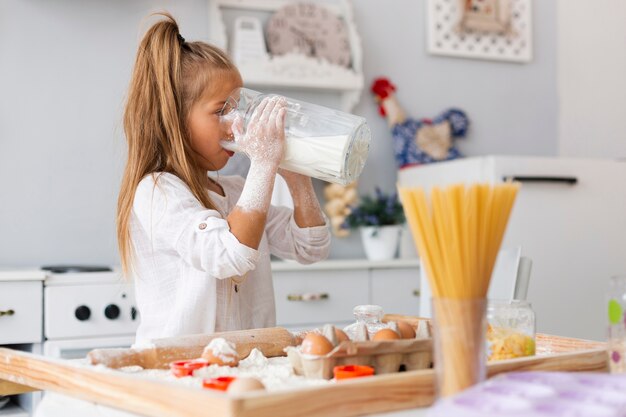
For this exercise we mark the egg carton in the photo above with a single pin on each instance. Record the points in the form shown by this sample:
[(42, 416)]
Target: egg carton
[(385, 356)]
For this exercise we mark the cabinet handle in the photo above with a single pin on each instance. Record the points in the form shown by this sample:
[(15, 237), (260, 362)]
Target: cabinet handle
[(308, 297), (7, 313), (416, 293), (557, 180)]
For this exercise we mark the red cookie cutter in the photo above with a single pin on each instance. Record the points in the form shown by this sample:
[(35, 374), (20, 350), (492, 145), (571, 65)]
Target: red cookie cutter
[(186, 368)]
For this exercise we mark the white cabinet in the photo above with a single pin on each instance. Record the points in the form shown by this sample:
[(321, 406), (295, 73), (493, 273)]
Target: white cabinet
[(311, 297), (326, 292), (396, 290), (570, 220), (21, 325), (21, 317)]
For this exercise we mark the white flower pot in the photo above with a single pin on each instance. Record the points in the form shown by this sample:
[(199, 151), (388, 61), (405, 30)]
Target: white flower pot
[(380, 242)]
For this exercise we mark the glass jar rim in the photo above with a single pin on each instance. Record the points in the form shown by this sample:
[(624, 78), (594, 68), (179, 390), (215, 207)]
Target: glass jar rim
[(369, 309), (502, 302)]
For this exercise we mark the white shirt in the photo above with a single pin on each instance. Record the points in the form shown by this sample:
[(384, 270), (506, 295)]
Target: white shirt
[(185, 257)]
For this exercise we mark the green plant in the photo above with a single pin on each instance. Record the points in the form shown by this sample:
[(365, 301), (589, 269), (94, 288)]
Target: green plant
[(379, 210)]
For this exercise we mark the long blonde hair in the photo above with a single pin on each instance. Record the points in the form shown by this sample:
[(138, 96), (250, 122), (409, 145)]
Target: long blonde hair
[(169, 77)]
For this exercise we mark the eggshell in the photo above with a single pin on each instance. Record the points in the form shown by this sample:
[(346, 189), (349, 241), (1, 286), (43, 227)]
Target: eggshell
[(406, 330), (328, 331), (244, 384), (386, 334), (316, 344)]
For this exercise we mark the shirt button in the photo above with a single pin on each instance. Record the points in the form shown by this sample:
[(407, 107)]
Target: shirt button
[(202, 226)]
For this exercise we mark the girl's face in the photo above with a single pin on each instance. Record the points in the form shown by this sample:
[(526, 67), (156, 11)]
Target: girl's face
[(205, 128)]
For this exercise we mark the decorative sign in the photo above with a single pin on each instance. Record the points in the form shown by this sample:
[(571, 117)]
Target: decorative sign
[(483, 29), (248, 43)]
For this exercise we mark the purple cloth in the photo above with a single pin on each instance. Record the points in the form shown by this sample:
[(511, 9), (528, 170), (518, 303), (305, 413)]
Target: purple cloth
[(539, 394)]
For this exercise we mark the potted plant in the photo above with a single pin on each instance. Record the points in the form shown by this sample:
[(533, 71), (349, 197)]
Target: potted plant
[(380, 219)]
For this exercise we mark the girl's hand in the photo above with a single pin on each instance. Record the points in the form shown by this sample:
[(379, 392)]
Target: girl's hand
[(293, 178), (264, 140)]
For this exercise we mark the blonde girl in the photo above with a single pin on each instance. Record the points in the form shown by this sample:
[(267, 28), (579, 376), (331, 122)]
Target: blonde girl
[(198, 245)]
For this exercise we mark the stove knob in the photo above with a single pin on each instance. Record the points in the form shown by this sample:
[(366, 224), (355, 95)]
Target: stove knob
[(82, 313), (112, 312)]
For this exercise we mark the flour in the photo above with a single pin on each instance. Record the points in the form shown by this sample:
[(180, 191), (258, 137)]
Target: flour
[(254, 359), (143, 345), (222, 350), (275, 373), (257, 191)]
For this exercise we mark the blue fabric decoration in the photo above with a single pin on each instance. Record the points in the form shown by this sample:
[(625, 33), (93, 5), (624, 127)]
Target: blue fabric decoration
[(404, 134)]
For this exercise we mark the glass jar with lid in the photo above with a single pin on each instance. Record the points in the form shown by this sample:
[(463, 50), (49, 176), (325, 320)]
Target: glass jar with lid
[(369, 316), (510, 329)]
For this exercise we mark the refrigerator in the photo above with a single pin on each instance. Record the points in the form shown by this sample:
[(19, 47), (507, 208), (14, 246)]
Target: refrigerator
[(569, 219)]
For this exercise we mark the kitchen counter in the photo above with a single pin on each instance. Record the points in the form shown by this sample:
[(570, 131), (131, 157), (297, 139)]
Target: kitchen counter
[(22, 274), (345, 264)]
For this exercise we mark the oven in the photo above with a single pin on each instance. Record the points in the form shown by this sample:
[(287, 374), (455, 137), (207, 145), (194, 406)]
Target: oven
[(87, 310)]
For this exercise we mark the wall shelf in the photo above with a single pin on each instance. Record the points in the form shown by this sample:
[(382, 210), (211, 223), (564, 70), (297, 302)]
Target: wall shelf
[(291, 71)]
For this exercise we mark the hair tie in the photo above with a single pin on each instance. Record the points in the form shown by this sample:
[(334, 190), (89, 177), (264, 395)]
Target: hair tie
[(180, 38)]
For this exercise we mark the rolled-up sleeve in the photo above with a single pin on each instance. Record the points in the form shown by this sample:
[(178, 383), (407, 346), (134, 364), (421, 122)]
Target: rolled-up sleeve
[(176, 221), (289, 241)]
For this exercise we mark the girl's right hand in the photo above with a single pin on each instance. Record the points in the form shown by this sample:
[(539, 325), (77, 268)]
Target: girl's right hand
[(264, 139)]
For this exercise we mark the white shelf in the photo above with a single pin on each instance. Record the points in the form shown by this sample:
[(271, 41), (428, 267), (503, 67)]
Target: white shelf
[(294, 71), (12, 410)]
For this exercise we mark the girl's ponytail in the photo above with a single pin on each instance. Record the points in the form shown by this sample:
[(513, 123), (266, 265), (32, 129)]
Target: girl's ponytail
[(169, 75)]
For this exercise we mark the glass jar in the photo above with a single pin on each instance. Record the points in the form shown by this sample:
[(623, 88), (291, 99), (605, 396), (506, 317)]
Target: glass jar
[(510, 329), (616, 335), (368, 315), (321, 142)]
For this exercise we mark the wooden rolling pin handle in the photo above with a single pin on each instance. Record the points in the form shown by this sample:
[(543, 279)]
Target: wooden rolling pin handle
[(116, 358)]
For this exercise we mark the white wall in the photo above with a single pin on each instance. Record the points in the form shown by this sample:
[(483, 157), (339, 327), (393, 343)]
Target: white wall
[(64, 68), (592, 78)]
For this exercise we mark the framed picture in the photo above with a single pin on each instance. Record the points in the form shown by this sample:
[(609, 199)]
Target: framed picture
[(481, 29), (485, 15)]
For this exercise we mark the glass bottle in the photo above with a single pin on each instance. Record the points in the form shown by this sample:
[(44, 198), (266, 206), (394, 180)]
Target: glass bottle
[(321, 142), (616, 335), (368, 315), (510, 329)]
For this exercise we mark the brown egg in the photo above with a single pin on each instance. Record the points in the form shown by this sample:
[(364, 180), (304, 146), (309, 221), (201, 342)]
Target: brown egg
[(386, 334), (315, 344), (244, 384), (406, 330), (220, 352), (341, 336)]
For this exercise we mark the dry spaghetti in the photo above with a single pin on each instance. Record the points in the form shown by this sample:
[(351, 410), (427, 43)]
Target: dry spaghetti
[(458, 231)]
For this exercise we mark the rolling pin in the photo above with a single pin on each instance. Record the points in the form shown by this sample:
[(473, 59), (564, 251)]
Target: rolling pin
[(158, 355)]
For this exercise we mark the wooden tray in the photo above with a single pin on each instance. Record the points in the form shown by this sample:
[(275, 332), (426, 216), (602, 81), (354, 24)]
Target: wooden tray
[(347, 398)]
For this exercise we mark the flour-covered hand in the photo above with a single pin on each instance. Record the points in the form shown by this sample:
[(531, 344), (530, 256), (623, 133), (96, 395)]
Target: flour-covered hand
[(264, 139)]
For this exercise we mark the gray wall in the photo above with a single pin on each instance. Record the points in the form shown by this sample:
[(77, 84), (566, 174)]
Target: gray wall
[(65, 65)]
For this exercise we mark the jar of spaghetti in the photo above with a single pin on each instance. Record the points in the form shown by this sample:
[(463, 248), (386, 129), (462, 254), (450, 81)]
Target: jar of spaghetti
[(510, 329)]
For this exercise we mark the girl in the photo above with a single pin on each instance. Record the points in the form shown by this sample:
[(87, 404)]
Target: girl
[(199, 245)]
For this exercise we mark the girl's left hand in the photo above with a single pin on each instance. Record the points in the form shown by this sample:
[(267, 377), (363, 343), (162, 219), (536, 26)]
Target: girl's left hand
[(293, 178)]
